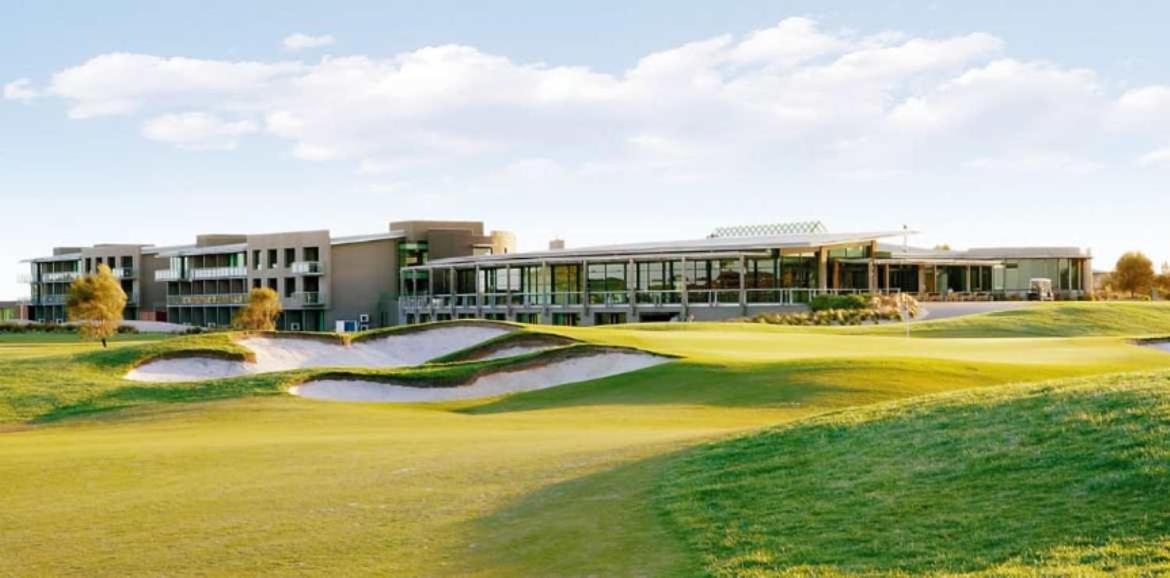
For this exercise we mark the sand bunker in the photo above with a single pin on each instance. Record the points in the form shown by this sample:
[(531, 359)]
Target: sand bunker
[(560, 372), (285, 353), (1161, 345)]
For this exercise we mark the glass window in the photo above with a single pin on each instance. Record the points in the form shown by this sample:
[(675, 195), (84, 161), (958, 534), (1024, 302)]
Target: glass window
[(272, 258), (290, 255)]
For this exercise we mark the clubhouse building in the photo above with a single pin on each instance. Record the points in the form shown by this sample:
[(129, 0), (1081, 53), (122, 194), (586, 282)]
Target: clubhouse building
[(420, 271)]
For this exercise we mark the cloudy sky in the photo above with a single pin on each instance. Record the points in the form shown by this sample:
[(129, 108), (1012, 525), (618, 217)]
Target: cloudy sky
[(988, 123)]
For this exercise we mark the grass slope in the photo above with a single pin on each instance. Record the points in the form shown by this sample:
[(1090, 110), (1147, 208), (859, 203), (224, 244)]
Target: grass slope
[(1070, 479), (1062, 319)]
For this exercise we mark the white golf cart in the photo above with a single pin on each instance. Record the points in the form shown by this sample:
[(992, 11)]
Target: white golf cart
[(1040, 289)]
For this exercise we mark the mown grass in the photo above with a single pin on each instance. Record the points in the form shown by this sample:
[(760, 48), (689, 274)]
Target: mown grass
[(1064, 319), (234, 477), (1067, 478)]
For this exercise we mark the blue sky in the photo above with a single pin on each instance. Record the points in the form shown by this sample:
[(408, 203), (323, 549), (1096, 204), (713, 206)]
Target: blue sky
[(984, 123)]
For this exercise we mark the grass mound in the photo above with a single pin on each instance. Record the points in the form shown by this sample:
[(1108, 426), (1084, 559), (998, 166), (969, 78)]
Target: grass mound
[(506, 342), (1065, 319), (1069, 479)]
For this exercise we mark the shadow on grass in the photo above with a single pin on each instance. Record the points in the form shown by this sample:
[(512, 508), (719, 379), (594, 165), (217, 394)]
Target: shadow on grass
[(604, 524), (826, 382), (138, 395)]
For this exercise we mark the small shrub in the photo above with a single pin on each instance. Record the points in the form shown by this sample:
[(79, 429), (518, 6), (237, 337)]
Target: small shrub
[(828, 302)]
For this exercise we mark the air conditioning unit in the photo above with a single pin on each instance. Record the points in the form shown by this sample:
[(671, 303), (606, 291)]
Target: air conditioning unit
[(364, 318), (294, 326), (59, 321), (41, 320), (211, 325), (365, 326)]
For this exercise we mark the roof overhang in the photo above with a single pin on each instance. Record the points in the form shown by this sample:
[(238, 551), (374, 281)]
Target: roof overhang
[(729, 246)]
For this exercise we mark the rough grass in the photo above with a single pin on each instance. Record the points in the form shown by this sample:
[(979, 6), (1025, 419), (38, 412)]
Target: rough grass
[(1065, 478)]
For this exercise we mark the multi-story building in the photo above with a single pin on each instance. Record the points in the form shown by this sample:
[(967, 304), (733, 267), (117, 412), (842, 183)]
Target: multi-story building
[(323, 281), (436, 270), (49, 277)]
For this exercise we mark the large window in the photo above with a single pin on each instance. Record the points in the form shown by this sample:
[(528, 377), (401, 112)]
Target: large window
[(607, 283), (566, 281)]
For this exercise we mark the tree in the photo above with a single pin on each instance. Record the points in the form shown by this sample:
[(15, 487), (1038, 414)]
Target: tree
[(96, 303), (1134, 274), (943, 247), (261, 311)]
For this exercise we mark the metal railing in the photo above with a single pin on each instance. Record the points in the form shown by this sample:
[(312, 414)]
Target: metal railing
[(658, 297), (124, 272), (208, 299), (609, 298), (219, 272), (59, 277), (310, 299), (167, 275), (57, 299), (308, 268)]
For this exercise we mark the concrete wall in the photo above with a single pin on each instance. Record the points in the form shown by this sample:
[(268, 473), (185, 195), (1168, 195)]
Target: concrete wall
[(282, 272), (364, 278)]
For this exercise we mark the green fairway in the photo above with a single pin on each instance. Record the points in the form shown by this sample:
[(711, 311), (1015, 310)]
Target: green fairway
[(234, 476), (26, 345), (1066, 319)]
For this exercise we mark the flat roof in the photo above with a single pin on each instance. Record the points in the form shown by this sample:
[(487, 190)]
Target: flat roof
[(65, 257), (207, 250), (367, 238), (681, 248)]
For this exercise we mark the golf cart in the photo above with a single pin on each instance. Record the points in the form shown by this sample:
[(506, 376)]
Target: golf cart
[(1040, 289)]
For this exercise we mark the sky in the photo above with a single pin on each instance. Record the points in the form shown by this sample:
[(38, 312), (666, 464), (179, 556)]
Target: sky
[(974, 123)]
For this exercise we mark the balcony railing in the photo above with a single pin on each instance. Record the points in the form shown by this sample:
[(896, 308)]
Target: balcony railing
[(308, 268), (124, 272), (211, 299), (310, 299), (653, 298), (167, 275), (219, 272), (59, 277), (58, 299)]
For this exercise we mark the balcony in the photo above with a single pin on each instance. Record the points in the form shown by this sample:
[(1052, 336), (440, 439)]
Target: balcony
[(219, 272), (308, 268), (211, 299), (124, 272), (167, 275), (310, 299), (59, 277), (51, 299)]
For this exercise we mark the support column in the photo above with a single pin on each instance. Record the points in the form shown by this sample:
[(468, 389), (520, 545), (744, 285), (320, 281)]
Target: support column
[(742, 285), (478, 294), (921, 278), (684, 297), (822, 269), (632, 292), (968, 278)]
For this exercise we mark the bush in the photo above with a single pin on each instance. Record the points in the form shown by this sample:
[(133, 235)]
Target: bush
[(831, 302)]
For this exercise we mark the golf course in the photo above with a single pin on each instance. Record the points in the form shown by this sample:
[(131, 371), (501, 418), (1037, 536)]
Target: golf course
[(1022, 442)]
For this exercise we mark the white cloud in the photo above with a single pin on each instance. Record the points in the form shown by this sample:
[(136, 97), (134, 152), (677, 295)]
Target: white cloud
[(197, 131), (298, 41), (787, 98), (20, 90), (1157, 158)]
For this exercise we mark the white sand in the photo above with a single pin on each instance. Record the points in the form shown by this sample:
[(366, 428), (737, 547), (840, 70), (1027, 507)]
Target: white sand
[(561, 372), (514, 351), (1161, 345), (187, 369), (284, 353)]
